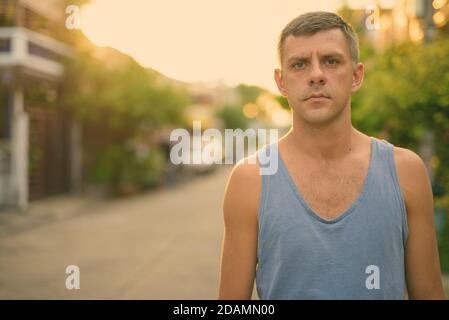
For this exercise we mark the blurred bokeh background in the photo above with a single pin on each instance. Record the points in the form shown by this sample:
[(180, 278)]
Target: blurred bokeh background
[(90, 91)]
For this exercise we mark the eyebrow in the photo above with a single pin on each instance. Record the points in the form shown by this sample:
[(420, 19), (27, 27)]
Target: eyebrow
[(327, 55)]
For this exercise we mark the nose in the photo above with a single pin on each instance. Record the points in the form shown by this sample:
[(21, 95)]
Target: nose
[(316, 76)]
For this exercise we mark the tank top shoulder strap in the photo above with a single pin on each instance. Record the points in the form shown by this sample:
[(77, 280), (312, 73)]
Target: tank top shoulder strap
[(386, 172)]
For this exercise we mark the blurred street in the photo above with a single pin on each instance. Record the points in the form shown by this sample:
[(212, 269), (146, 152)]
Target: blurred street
[(108, 142), (159, 245)]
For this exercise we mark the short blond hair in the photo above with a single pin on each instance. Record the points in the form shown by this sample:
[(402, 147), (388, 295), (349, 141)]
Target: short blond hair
[(312, 22)]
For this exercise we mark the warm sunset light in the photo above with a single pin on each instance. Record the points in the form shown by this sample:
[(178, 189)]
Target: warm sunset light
[(232, 41), (147, 153)]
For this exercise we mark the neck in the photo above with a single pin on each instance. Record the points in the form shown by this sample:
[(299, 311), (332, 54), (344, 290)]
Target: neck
[(329, 141)]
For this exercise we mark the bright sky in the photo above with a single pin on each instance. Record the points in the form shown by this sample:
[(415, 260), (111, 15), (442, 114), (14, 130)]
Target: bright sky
[(233, 41)]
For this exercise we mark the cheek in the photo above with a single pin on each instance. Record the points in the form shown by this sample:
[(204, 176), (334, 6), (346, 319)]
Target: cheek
[(341, 86), (295, 83), (346, 79)]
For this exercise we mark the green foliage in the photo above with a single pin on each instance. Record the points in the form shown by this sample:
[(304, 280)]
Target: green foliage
[(118, 100), (233, 117), (117, 92), (283, 102), (405, 94), (116, 165), (248, 93)]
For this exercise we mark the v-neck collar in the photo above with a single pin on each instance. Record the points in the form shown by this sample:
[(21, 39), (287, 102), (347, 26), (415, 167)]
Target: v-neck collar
[(354, 204)]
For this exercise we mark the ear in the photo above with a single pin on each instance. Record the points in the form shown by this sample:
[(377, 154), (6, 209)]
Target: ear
[(278, 79), (357, 77)]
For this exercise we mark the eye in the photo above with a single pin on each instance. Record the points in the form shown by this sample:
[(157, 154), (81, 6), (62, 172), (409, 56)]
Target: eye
[(299, 65), (331, 61)]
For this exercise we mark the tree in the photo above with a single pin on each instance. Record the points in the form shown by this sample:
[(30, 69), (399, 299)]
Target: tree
[(120, 103), (405, 94)]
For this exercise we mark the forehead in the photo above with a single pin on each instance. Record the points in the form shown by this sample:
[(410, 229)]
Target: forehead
[(321, 42)]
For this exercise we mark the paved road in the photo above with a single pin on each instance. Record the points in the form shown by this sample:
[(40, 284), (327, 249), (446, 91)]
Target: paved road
[(160, 245)]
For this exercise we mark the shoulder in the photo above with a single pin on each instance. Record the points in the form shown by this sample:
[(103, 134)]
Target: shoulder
[(246, 170), (407, 158), (243, 188), (412, 174)]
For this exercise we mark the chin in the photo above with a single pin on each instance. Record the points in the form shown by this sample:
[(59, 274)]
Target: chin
[(316, 121), (317, 117)]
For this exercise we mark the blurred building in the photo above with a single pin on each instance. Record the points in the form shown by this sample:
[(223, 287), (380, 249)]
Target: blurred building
[(39, 142), (414, 20), (207, 100)]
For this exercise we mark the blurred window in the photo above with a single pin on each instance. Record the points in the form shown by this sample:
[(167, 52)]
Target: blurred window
[(5, 107), (7, 13), (37, 50), (5, 44)]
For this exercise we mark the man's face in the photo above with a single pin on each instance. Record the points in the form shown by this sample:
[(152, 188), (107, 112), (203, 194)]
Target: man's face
[(318, 75)]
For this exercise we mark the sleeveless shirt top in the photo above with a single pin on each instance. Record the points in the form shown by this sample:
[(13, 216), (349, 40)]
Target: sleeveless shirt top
[(357, 255)]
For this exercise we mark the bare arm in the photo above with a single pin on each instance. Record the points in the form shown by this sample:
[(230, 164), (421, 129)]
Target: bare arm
[(421, 255), (239, 247)]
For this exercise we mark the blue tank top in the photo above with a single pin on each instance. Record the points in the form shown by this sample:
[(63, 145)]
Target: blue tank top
[(358, 255)]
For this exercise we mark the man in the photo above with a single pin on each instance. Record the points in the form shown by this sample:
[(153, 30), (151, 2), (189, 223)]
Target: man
[(345, 216)]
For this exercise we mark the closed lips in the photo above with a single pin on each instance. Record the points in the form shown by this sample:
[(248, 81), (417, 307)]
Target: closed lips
[(319, 95)]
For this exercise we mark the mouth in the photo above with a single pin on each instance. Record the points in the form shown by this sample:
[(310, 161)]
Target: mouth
[(316, 96)]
